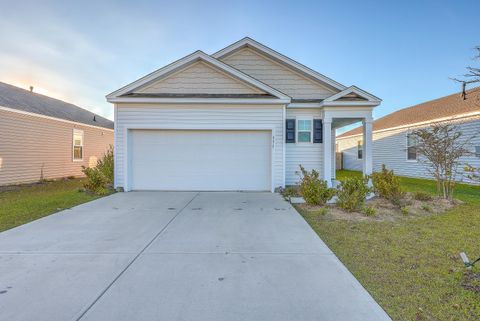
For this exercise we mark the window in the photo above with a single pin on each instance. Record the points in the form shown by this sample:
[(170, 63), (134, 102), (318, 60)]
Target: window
[(411, 147), (359, 149), (477, 151), (304, 131), (77, 145)]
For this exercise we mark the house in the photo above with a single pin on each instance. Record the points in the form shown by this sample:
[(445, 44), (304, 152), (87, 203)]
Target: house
[(45, 138), (243, 118), (394, 146)]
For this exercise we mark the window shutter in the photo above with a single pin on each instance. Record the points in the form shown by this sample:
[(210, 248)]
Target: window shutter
[(290, 131), (317, 131)]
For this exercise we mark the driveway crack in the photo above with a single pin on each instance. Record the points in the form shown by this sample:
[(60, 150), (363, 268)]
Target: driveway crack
[(82, 314)]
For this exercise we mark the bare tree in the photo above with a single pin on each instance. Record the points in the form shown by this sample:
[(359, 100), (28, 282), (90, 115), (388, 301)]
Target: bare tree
[(440, 148), (472, 76)]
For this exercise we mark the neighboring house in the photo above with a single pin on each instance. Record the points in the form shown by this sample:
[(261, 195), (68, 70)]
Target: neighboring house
[(45, 138), (243, 118), (394, 146)]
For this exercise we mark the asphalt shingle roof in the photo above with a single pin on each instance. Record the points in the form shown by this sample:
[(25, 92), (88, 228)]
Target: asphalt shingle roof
[(448, 106), (24, 100)]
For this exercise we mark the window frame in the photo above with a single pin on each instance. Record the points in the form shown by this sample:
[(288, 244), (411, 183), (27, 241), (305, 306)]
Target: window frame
[(359, 144), (78, 132), (407, 147), (297, 129)]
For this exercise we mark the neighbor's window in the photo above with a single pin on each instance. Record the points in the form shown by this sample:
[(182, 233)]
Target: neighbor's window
[(477, 151), (304, 131), (411, 147), (77, 144), (359, 149)]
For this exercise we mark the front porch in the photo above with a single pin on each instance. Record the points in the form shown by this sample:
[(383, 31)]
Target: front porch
[(338, 117)]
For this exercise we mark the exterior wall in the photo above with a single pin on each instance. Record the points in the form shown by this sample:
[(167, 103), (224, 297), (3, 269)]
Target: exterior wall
[(208, 116), (309, 155), (33, 147), (199, 78), (276, 75), (390, 148)]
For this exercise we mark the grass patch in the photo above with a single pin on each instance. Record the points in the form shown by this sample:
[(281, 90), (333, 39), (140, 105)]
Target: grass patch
[(412, 267), (24, 204)]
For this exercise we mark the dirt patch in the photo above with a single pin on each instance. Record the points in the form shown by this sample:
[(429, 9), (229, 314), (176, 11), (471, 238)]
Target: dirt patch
[(384, 209), (471, 281)]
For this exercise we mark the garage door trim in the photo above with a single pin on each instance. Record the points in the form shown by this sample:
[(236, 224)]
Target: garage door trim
[(246, 127)]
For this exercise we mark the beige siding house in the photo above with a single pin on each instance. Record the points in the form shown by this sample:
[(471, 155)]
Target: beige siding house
[(391, 143), (243, 118), (45, 138)]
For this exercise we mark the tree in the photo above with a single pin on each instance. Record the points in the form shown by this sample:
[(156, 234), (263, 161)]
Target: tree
[(473, 172), (472, 76), (440, 148)]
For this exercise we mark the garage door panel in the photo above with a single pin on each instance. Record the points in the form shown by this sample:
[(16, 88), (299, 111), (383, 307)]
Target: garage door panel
[(200, 160)]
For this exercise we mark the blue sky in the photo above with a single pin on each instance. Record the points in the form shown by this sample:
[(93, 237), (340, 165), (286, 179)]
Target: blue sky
[(402, 51)]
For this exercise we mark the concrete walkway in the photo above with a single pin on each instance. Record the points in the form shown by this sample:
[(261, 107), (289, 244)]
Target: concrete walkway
[(176, 256)]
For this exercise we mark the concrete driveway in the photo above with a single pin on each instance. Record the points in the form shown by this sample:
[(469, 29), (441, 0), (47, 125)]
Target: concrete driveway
[(176, 256)]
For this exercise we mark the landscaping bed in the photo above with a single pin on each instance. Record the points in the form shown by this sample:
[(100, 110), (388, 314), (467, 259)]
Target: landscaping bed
[(410, 263)]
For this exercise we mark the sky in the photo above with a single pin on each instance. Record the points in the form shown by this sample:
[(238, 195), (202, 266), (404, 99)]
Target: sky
[(404, 52)]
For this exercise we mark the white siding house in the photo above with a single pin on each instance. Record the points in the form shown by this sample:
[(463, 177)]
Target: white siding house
[(391, 144), (243, 118)]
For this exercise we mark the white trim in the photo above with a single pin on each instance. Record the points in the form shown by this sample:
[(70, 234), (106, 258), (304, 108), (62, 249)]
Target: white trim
[(196, 56), (51, 118), (304, 105), (253, 101), (284, 145), (284, 59), (76, 131), (115, 161), (353, 89), (298, 118), (449, 118), (126, 182), (350, 103)]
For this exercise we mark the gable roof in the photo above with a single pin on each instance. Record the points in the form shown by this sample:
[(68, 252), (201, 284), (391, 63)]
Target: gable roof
[(26, 101), (351, 94), (124, 92), (249, 42), (442, 108)]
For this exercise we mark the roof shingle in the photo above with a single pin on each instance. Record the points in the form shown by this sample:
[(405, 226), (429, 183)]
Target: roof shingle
[(445, 107), (24, 100)]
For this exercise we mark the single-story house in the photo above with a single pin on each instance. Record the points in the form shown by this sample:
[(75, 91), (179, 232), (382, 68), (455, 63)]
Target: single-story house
[(46, 138), (394, 144), (243, 118)]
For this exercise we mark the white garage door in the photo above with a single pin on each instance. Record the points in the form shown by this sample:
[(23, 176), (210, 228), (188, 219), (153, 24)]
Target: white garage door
[(201, 160)]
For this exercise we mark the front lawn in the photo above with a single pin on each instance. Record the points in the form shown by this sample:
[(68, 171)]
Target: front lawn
[(22, 204), (412, 266)]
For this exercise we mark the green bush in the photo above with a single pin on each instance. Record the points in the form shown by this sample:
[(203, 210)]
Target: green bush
[(387, 185), (422, 196), (352, 193), (426, 208), (314, 190), (404, 210), (290, 191), (100, 177), (370, 211)]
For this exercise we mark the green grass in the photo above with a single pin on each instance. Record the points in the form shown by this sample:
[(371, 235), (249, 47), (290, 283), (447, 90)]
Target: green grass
[(412, 267), (30, 202)]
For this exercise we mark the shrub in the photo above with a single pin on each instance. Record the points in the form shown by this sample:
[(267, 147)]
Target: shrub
[(352, 193), (323, 211), (314, 190), (387, 185), (370, 210), (422, 196), (100, 178), (290, 191), (404, 210), (426, 208)]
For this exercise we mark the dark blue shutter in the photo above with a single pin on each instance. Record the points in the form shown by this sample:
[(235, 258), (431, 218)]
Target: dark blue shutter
[(290, 131), (317, 131)]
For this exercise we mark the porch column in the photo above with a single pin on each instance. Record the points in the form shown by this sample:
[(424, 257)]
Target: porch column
[(367, 147), (327, 151), (334, 155)]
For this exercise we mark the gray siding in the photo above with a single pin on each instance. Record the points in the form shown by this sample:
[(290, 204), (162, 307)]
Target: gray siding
[(389, 148), (33, 147), (156, 115), (308, 155)]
